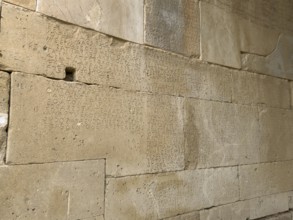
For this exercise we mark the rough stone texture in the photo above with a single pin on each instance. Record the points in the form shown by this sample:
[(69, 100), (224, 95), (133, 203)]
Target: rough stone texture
[(282, 216), (29, 4), (248, 209), (136, 132), (102, 60), (251, 88), (173, 25), (290, 200), (189, 216), (71, 190), (120, 18), (231, 27), (165, 195), (276, 132), (220, 134), (4, 99), (264, 179)]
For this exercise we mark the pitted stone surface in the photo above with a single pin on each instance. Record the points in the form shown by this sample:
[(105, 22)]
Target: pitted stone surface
[(120, 18), (173, 25), (265, 179), (276, 132), (29, 4), (165, 195), (251, 88), (69, 190), (220, 134), (52, 120)]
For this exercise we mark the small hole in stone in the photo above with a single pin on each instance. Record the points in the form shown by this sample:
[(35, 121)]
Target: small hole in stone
[(45, 48), (69, 74)]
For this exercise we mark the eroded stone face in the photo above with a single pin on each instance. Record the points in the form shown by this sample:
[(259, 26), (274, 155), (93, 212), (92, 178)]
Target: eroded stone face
[(189, 216), (123, 19), (173, 25), (265, 179), (29, 4), (165, 195), (276, 134), (220, 134), (52, 120), (52, 191), (251, 88)]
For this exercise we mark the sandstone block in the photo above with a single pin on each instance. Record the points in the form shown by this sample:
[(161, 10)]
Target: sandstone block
[(281, 216), (189, 216), (250, 88), (4, 91), (249, 209), (166, 195), (276, 132), (123, 19), (173, 25), (53, 46), (52, 120), (220, 134), (29, 4), (70, 190), (264, 179)]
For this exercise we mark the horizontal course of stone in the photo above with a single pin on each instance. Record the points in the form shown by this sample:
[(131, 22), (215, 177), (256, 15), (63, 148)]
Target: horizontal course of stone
[(148, 117)]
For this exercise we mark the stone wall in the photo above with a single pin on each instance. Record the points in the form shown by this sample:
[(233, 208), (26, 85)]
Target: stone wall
[(146, 110)]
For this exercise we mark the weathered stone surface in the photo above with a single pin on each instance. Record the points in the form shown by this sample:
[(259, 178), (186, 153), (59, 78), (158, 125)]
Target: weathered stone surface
[(30, 4), (278, 63), (189, 216), (220, 134), (52, 120), (290, 195), (123, 19), (249, 209), (218, 42), (266, 178), (4, 91), (71, 190), (276, 132), (53, 46), (173, 25), (165, 195), (4, 99), (251, 88), (282, 216)]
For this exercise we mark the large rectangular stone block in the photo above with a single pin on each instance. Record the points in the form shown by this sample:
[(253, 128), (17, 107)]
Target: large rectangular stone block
[(55, 120), (276, 132), (249, 209), (189, 216), (67, 190), (96, 58), (173, 25), (120, 18), (265, 179), (166, 195), (251, 88), (220, 134)]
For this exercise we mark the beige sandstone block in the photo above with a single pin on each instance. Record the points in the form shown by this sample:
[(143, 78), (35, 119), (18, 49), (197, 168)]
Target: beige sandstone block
[(290, 195), (166, 195), (219, 42), (264, 179), (189, 216), (52, 120), (278, 63), (276, 132), (249, 209), (251, 88), (220, 134), (53, 46), (120, 18), (282, 216), (173, 25), (29, 4), (70, 190)]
